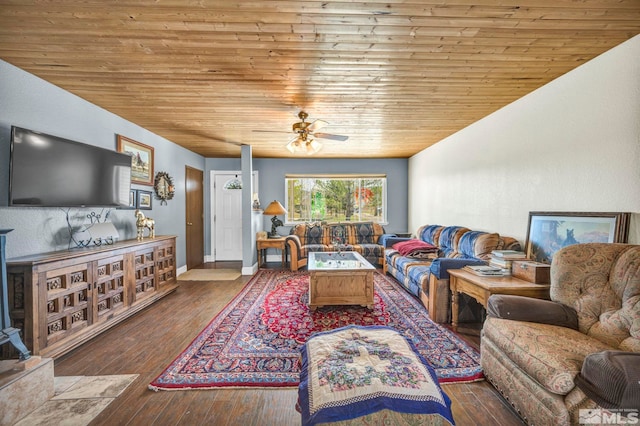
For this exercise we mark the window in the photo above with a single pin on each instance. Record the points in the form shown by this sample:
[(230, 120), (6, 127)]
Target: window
[(337, 198)]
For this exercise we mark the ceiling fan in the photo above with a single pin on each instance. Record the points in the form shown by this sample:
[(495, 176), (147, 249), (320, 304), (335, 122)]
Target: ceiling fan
[(305, 133)]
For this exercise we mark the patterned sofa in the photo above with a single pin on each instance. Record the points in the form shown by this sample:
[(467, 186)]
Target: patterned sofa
[(362, 237), (428, 279), (535, 351)]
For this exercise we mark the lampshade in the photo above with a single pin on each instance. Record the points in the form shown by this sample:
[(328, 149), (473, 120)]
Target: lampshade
[(306, 146), (275, 208)]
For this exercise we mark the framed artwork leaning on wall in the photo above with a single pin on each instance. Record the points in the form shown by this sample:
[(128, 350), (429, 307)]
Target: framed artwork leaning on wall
[(548, 232)]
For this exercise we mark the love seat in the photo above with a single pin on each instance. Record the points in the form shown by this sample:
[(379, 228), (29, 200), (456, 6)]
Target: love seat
[(428, 278), (361, 237), (538, 353)]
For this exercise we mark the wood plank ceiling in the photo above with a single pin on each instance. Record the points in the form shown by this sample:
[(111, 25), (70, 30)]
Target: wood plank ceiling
[(395, 76)]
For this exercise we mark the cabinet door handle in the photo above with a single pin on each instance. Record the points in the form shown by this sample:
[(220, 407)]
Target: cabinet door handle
[(189, 223)]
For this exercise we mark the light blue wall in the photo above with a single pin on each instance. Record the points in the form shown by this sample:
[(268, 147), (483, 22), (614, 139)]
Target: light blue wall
[(32, 103), (272, 174), (272, 171)]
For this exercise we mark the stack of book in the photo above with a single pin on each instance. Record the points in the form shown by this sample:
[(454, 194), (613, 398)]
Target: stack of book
[(504, 258)]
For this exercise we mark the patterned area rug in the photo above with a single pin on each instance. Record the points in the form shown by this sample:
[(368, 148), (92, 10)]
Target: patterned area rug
[(255, 340)]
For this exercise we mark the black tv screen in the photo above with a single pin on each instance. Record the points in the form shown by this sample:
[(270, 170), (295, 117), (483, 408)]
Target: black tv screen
[(50, 171)]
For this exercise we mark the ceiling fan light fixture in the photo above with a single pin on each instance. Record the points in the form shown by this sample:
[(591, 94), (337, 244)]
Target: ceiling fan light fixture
[(303, 146), (313, 146), (293, 145)]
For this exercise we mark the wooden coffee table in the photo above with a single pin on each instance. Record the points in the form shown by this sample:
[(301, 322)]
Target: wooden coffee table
[(344, 278)]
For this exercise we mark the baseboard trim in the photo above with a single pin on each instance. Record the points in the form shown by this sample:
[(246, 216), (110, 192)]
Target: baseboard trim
[(274, 258), (181, 270), (249, 270)]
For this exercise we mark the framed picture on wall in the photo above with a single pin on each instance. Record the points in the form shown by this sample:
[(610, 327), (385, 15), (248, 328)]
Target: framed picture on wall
[(141, 159), (548, 232), (133, 198), (144, 200)]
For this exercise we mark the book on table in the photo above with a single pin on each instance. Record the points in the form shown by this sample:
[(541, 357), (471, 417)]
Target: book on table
[(508, 254), (501, 263), (487, 270)]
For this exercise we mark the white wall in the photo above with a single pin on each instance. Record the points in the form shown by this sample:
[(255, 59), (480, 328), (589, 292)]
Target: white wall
[(572, 145)]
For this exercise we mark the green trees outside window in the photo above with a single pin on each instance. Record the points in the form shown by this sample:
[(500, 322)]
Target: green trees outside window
[(336, 198)]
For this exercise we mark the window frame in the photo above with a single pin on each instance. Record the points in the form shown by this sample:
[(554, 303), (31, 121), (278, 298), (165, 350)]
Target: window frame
[(355, 176)]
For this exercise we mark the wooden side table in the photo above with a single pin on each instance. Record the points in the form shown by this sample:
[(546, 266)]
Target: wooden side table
[(277, 243), (480, 288)]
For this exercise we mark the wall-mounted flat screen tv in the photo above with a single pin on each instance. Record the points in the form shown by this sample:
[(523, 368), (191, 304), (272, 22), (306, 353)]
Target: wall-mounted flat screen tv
[(50, 171)]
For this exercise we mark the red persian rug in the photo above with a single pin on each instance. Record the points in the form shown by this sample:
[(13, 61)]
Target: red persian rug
[(255, 340)]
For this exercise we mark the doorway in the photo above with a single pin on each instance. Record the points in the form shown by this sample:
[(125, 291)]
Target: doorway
[(195, 216), (226, 200)]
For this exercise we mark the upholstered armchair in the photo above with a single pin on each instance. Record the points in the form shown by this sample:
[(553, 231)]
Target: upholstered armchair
[(581, 349)]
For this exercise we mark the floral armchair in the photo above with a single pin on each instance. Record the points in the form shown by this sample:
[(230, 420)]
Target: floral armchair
[(541, 354)]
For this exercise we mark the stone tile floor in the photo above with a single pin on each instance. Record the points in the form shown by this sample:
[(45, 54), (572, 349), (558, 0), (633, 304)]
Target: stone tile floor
[(78, 400)]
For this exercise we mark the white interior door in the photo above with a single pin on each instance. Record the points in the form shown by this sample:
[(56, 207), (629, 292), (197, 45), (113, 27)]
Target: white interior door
[(227, 218)]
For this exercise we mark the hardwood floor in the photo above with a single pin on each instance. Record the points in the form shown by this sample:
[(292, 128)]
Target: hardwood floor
[(146, 343)]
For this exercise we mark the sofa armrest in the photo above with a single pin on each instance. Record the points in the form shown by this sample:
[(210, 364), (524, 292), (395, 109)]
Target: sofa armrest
[(611, 379), (296, 261), (390, 241), (293, 241), (382, 239), (521, 308), (440, 266)]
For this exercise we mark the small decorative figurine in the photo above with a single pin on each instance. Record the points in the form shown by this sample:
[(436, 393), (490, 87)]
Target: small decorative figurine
[(145, 222)]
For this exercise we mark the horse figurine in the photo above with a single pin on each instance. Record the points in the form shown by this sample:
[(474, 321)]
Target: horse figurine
[(145, 222)]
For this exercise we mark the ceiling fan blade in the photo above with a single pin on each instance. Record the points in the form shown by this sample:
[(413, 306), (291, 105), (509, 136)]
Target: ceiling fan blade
[(330, 136), (270, 131), (316, 125)]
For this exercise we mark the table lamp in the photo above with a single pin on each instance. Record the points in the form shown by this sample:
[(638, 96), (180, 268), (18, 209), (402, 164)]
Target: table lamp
[(275, 209)]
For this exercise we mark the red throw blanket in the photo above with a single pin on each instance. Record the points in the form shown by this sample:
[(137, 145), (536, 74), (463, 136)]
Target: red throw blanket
[(406, 248)]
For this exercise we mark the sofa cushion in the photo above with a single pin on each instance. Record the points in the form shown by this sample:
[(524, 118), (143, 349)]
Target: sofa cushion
[(403, 263), (364, 233), (308, 248), (430, 233), (509, 243), (549, 354), (477, 244), (309, 233), (338, 232), (419, 274), (370, 251), (449, 238)]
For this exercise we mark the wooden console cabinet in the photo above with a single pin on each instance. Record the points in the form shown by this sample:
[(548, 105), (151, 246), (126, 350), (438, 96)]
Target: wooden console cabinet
[(60, 300)]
